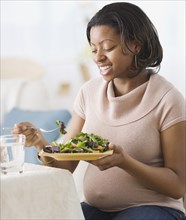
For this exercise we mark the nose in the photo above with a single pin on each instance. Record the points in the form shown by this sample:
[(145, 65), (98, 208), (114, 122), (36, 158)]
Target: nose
[(99, 57)]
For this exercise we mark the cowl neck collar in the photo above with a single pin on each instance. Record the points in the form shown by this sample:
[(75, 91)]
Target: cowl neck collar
[(133, 105)]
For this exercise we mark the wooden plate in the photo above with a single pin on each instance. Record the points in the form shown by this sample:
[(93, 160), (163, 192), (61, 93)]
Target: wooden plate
[(76, 156)]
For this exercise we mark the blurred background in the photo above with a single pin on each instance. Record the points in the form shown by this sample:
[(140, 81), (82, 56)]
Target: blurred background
[(45, 57)]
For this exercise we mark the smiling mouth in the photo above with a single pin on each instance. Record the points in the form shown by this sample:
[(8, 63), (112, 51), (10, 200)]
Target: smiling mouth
[(104, 69)]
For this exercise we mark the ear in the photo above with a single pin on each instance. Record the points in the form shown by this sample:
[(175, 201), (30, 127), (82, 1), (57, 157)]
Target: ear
[(136, 47)]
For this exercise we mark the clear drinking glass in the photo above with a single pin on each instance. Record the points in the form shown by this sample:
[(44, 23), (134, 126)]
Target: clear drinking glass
[(12, 153)]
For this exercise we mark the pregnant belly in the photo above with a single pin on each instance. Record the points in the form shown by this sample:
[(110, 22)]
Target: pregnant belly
[(114, 190)]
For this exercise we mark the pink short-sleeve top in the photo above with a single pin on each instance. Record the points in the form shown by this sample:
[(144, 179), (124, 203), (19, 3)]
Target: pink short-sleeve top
[(133, 121)]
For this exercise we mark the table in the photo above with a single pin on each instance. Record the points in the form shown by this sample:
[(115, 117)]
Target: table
[(40, 192)]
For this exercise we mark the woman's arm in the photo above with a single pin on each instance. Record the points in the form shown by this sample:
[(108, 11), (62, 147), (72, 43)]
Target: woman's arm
[(35, 138), (169, 180)]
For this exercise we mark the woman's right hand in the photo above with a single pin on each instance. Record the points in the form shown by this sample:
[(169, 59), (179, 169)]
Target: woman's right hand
[(33, 135)]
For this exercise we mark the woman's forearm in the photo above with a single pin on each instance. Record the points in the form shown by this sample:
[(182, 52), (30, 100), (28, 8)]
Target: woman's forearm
[(160, 179)]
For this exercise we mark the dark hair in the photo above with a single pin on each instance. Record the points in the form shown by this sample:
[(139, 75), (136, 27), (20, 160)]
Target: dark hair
[(132, 24)]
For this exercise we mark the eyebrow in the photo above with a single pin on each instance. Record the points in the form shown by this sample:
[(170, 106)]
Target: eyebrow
[(102, 41)]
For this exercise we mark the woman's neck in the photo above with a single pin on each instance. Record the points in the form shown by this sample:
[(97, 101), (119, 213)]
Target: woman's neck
[(124, 86)]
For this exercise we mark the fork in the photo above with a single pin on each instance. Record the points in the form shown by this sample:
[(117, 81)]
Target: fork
[(41, 129), (48, 131)]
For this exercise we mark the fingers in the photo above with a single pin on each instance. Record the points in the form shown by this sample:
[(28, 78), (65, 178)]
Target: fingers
[(111, 146), (30, 131), (32, 139), (103, 163), (23, 127), (116, 159)]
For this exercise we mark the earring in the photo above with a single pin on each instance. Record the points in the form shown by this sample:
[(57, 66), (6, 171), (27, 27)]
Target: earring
[(135, 61)]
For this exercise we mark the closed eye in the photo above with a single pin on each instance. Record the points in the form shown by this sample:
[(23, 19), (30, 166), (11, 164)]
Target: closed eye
[(109, 49), (104, 49), (94, 51)]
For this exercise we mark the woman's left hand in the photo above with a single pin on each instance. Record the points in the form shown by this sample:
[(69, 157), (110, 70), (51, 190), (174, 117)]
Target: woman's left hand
[(116, 159)]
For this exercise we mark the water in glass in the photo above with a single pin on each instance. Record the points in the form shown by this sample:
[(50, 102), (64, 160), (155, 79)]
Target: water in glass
[(12, 153)]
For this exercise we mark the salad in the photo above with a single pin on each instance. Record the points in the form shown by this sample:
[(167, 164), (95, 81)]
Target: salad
[(61, 126), (81, 143)]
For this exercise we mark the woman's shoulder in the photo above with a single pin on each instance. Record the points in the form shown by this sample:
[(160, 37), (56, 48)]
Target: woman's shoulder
[(173, 92), (167, 88), (171, 101), (174, 98)]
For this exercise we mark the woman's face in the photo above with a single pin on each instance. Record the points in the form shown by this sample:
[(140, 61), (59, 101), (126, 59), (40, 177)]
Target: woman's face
[(112, 58)]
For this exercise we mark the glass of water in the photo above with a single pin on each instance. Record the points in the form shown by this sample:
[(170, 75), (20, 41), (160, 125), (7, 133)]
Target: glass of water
[(12, 153)]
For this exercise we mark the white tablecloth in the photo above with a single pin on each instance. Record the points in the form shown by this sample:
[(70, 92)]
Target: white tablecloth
[(39, 193)]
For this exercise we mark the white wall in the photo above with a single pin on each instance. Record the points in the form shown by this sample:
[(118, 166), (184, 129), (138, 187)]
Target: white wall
[(53, 33)]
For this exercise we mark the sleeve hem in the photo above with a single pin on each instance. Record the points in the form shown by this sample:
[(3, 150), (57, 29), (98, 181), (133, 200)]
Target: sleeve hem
[(177, 120), (79, 114)]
